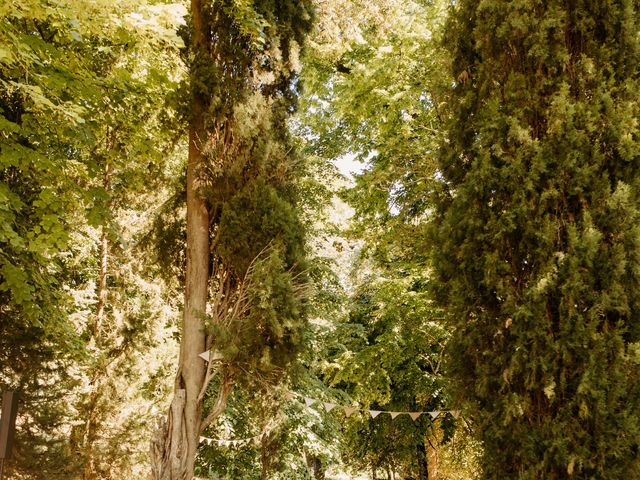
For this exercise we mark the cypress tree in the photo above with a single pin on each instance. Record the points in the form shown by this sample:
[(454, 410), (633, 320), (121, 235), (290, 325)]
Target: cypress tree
[(244, 237), (536, 238)]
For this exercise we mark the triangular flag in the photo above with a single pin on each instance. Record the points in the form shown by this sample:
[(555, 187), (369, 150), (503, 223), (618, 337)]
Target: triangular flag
[(308, 401), (434, 414), (203, 440), (374, 413), (455, 413), (348, 411), (204, 356), (414, 415), (394, 414), (328, 406)]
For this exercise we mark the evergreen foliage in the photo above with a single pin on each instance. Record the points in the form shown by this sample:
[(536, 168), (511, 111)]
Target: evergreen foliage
[(246, 76), (243, 88), (536, 240), (504, 200)]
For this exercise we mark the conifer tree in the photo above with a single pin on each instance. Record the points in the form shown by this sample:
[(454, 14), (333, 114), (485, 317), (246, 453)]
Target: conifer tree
[(537, 245), (244, 239)]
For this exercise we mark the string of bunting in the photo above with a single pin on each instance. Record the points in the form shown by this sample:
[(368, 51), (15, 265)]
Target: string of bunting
[(328, 406), (349, 410), (232, 443)]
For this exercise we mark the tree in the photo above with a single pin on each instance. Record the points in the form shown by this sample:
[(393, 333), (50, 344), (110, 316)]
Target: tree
[(44, 132), (393, 362), (244, 242), (80, 115), (379, 99), (535, 238)]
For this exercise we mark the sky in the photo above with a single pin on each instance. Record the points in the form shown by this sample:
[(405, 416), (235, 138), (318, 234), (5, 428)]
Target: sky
[(348, 165)]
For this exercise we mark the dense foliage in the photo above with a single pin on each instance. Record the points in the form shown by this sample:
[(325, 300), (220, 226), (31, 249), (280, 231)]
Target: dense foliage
[(161, 161), (536, 238), (74, 90)]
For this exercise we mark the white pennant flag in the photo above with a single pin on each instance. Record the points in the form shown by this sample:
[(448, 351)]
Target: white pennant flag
[(414, 415), (203, 440), (348, 411), (394, 414), (434, 414), (328, 406), (308, 401), (204, 356), (455, 413), (374, 413)]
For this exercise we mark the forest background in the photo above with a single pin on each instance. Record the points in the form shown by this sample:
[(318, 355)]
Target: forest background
[(490, 212)]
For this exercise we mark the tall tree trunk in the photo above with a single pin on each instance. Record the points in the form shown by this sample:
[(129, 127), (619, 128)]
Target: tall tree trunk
[(314, 463), (174, 448), (92, 423), (102, 285), (318, 469), (423, 462), (264, 471)]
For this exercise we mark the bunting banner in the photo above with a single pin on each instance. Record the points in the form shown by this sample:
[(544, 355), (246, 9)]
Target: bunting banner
[(350, 410), (329, 406), (223, 442)]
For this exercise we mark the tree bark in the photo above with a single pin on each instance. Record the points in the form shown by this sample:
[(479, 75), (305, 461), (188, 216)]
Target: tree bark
[(318, 469), (314, 463), (92, 424), (175, 445), (423, 462), (102, 285)]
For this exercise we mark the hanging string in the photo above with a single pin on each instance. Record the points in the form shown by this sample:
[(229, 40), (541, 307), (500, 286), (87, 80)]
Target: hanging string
[(328, 407)]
